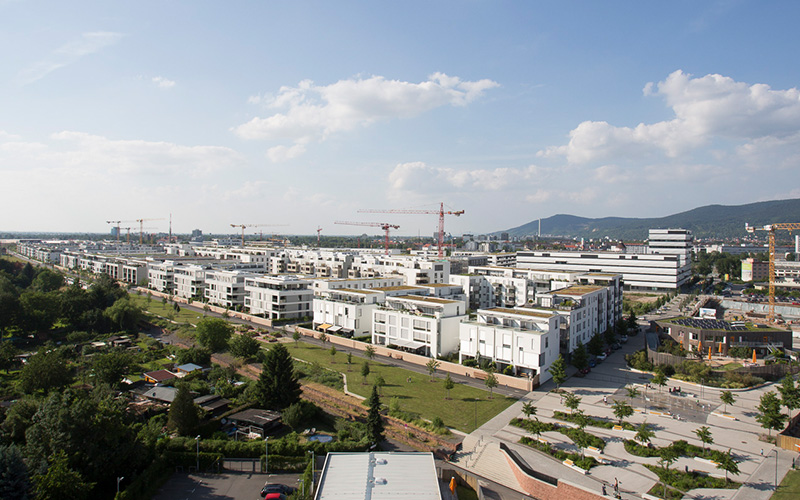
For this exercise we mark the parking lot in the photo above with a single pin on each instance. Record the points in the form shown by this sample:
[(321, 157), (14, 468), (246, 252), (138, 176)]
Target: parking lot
[(229, 486)]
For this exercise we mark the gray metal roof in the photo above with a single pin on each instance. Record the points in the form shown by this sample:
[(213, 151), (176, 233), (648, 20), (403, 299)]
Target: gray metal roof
[(378, 476)]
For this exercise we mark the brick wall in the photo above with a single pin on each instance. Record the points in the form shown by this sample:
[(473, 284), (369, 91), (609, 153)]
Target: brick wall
[(544, 491)]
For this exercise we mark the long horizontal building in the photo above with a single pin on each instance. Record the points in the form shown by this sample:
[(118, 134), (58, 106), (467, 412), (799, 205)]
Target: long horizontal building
[(665, 266)]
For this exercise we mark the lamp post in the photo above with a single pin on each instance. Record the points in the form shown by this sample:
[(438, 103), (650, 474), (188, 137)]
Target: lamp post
[(119, 479), (302, 486), (266, 456), (776, 469), (313, 473), (197, 442)]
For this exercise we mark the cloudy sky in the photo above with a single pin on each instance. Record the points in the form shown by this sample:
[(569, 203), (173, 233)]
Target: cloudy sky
[(302, 113)]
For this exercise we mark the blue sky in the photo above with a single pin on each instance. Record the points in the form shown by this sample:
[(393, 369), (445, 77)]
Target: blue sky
[(302, 113)]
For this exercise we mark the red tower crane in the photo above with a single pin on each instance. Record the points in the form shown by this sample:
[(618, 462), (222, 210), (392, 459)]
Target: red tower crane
[(383, 225), (319, 230), (441, 213)]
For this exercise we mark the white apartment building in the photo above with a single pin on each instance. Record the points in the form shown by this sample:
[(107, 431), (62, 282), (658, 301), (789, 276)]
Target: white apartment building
[(524, 339), (323, 285), (161, 276), (425, 325), (413, 270), (190, 281), (584, 310), (226, 288), (670, 242), (278, 297), (346, 311)]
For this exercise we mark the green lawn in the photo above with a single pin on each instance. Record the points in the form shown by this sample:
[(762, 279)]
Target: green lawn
[(420, 395), (156, 307), (789, 488)]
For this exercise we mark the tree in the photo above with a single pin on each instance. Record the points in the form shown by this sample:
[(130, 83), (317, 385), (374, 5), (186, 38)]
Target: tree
[(380, 383), (632, 392), (610, 336), (243, 346), (558, 370), (277, 386), (729, 464), (45, 370), (323, 338), (790, 395), (332, 352), (374, 421), (47, 281), (370, 352), (14, 481), (296, 338), (644, 433), (704, 435), (431, 366), (572, 401), (349, 358), (183, 413), (622, 410), (61, 481), (491, 382), (365, 372), (727, 398), (109, 368), (666, 457), (579, 358), (596, 345), (769, 409), (213, 333), (660, 380), (448, 384), (529, 409), (38, 310), (8, 355)]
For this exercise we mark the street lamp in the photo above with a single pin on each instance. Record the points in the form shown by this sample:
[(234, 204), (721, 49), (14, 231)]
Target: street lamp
[(118, 481), (266, 456), (776, 469), (302, 486), (197, 441), (313, 473)]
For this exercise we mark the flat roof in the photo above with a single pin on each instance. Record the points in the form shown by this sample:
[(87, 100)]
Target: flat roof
[(353, 290), (521, 312), (577, 290), (379, 476), (439, 285), (396, 288), (607, 275), (423, 298)]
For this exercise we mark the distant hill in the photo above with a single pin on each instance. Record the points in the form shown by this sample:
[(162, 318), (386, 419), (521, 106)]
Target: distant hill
[(712, 221)]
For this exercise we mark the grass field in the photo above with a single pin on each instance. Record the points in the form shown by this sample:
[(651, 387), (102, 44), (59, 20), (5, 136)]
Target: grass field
[(789, 488), (466, 406), (155, 306)]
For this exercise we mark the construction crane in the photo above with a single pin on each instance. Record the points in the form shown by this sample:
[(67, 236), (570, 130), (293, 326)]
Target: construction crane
[(319, 230), (441, 213), (383, 225), (117, 223), (141, 227), (128, 235), (770, 229), (253, 225)]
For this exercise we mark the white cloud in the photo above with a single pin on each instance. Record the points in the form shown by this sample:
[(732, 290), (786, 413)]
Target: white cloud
[(282, 153), (163, 83), (706, 109), (417, 176), (312, 112), (69, 53), (82, 153)]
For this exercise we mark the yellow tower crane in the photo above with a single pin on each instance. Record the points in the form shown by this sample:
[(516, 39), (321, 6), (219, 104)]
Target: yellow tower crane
[(770, 229)]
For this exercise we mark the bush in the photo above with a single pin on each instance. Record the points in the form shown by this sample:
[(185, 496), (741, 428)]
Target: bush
[(584, 463), (593, 421), (470, 362), (315, 372), (639, 361)]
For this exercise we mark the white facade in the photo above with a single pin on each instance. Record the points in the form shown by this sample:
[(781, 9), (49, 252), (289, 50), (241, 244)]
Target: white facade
[(346, 311), (670, 242), (161, 276), (422, 324), (226, 288), (190, 281), (526, 340), (324, 285), (639, 271), (278, 297)]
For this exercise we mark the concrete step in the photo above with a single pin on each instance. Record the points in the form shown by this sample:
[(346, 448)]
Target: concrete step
[(492, 464)]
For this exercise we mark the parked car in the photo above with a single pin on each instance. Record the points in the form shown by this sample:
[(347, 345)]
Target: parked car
[(623, 338), (277, 488), (275, 496), (585, 371), (602, 357), (616, 346), (592, 362)]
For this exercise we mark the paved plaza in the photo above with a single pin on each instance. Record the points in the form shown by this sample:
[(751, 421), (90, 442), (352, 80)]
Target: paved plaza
[(675, 416)]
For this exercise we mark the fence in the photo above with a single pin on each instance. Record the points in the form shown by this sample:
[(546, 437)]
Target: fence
[(787, 439)]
